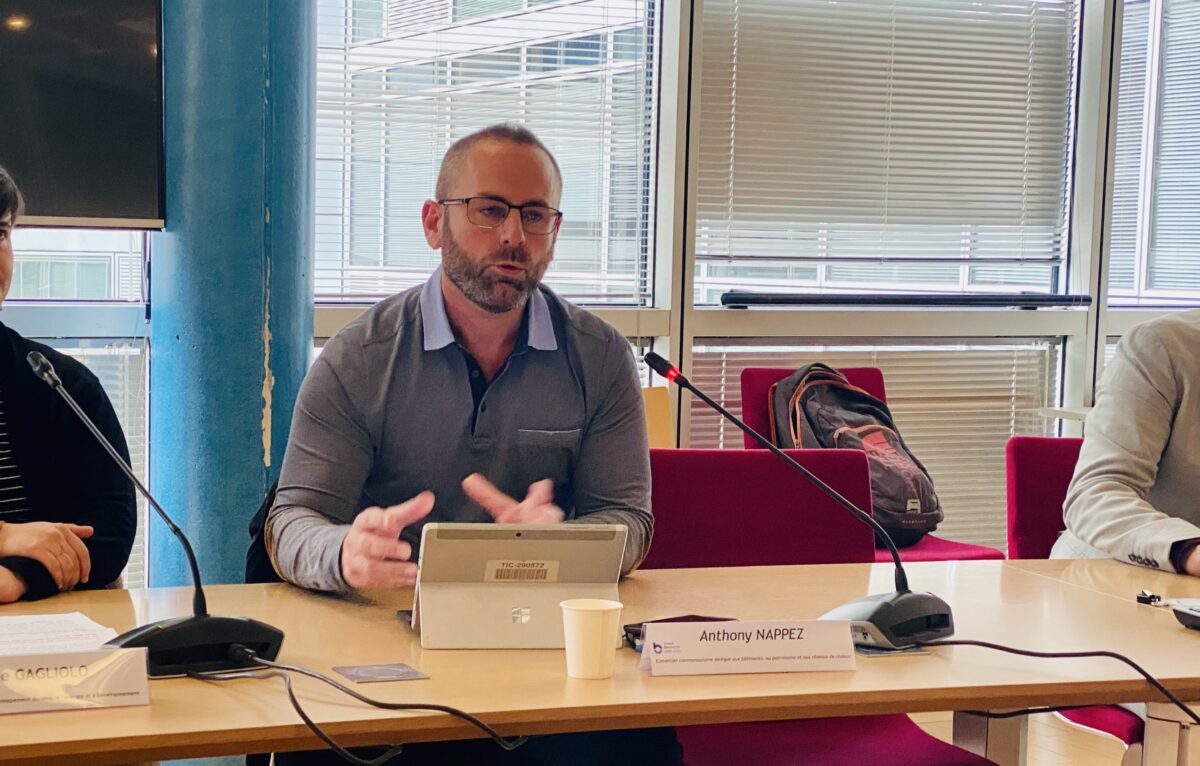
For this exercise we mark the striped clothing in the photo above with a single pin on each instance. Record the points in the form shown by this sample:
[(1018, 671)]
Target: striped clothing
[(13, 502), (52, 469)]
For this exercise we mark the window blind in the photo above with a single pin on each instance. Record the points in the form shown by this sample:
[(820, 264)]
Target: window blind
[(121, 367), (1127, 163), (955, 403), (1155, 250), (884, 144), (1174, 258), (399, 80)]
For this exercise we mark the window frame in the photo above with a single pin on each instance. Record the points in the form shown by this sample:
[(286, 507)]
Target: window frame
[(674, 320)]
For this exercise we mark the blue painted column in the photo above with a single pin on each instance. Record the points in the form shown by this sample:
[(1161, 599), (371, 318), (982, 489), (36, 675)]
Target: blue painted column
[(231, 278)]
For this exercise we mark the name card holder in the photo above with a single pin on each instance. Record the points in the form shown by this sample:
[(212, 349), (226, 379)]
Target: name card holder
[(765, 646), (73, 680)]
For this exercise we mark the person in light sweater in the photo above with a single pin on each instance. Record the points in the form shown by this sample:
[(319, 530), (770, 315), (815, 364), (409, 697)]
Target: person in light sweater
[(1135, 495)]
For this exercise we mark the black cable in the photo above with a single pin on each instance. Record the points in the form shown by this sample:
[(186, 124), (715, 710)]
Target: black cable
[(1026, 711), (1067, 655), (310, 723), (242, 654)]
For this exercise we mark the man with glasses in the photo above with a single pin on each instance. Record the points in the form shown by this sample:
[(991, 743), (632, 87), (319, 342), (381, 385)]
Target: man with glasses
[(478, 396)]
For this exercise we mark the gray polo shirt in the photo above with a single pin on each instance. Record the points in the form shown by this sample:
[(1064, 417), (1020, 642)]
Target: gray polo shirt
[(387, 412)]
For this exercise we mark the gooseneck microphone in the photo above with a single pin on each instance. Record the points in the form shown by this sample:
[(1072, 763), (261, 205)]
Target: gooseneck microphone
[(200, 643), (888, 621)]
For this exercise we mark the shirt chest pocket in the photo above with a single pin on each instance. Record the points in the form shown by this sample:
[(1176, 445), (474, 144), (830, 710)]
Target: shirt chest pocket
[(548, 454)]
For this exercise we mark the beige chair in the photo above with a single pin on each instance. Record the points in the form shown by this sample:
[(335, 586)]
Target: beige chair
[(658, 417)]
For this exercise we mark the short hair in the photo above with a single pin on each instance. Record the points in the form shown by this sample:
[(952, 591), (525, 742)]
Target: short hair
[(504, 131), (11, 201)]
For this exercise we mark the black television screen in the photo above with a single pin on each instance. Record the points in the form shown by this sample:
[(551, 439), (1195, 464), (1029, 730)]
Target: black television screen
[(81, 114)]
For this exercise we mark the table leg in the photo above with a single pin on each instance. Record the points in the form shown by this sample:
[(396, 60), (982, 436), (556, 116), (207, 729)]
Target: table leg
[(1003, 740), (1172, 739)]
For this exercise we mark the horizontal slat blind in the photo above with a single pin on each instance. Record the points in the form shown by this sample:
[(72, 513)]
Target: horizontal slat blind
[(398, 81), (1174, 258), (121, 367), (1127, 164), (956, 405), (888, 132)]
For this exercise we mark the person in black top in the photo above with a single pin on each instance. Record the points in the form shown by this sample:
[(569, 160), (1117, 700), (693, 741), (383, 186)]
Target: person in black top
[(67, 513)]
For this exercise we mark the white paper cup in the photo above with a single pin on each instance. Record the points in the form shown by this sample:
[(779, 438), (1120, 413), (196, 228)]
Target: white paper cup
[(590, 633)]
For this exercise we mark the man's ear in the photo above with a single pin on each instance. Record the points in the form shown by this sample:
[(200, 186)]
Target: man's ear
[(431, 222)]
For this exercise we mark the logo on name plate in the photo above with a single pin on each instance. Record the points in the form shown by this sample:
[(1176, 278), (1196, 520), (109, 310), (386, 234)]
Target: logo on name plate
[(522, 615), (658, 648)]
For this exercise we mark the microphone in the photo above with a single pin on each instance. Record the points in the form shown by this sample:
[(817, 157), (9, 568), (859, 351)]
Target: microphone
[(886, 621), (200, 643)]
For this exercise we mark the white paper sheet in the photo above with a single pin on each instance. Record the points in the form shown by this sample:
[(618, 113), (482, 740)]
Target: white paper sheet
[(47, 633)]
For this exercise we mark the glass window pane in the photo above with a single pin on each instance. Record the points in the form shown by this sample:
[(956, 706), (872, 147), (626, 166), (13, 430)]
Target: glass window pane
[(469, 9), (1173, 261), (1154, 253), (1127, 165), (78, 264), (580, 75), (898, 144), (955, 402), (121, 366)]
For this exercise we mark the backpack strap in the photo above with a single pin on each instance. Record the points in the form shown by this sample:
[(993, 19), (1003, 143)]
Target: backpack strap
[(815, 374), (774, 436)]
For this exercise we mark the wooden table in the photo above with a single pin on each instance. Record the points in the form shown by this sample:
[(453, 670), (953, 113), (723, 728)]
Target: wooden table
[(1172, 739), (1034, 605)]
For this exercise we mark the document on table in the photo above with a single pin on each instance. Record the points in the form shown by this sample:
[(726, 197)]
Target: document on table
[(48, 633)]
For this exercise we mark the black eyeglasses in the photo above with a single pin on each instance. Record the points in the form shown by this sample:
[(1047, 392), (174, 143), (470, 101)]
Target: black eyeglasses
[(490, 213)]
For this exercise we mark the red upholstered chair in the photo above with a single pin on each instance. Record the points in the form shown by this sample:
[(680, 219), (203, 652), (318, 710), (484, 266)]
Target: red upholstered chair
[(698, 495), (1039, 470), (756, 388), (778, 518), (866, 740)]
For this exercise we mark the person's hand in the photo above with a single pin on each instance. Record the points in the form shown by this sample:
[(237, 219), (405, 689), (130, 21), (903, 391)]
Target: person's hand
[(11, 586), (537, 508), (1191, 564), (58, 547), (373, 555)]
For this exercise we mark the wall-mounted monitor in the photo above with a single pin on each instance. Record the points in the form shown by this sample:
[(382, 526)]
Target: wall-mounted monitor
[(81, 110)]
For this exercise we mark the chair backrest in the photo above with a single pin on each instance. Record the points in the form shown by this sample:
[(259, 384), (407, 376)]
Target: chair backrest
[(658, 417), (756, 388), (715, 508), (1039, 470), (259, 568)]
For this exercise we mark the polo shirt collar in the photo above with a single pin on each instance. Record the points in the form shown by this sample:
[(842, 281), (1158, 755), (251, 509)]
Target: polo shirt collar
[(437, 332)]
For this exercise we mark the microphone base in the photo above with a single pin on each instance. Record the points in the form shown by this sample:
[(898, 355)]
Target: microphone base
[(180, 645), (896, 620)]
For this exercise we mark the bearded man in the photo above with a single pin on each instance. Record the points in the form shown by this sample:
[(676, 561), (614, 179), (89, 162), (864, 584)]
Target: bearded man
[(450, 401), (478, 396)]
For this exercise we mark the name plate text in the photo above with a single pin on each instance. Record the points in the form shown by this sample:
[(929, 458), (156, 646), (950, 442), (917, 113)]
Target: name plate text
[(766, 646)]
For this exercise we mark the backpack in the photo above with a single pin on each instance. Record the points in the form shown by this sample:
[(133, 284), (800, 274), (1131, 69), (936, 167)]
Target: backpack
[(816, 407)]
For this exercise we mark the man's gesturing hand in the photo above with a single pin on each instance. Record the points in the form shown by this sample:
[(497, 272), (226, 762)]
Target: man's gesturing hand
[(537, 508), (373, 555)]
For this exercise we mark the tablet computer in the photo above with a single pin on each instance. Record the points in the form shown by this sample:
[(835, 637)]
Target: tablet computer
[(498, 586)]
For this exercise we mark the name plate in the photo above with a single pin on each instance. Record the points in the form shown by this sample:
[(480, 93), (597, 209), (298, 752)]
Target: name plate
[(73, 680), (766, 646)]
